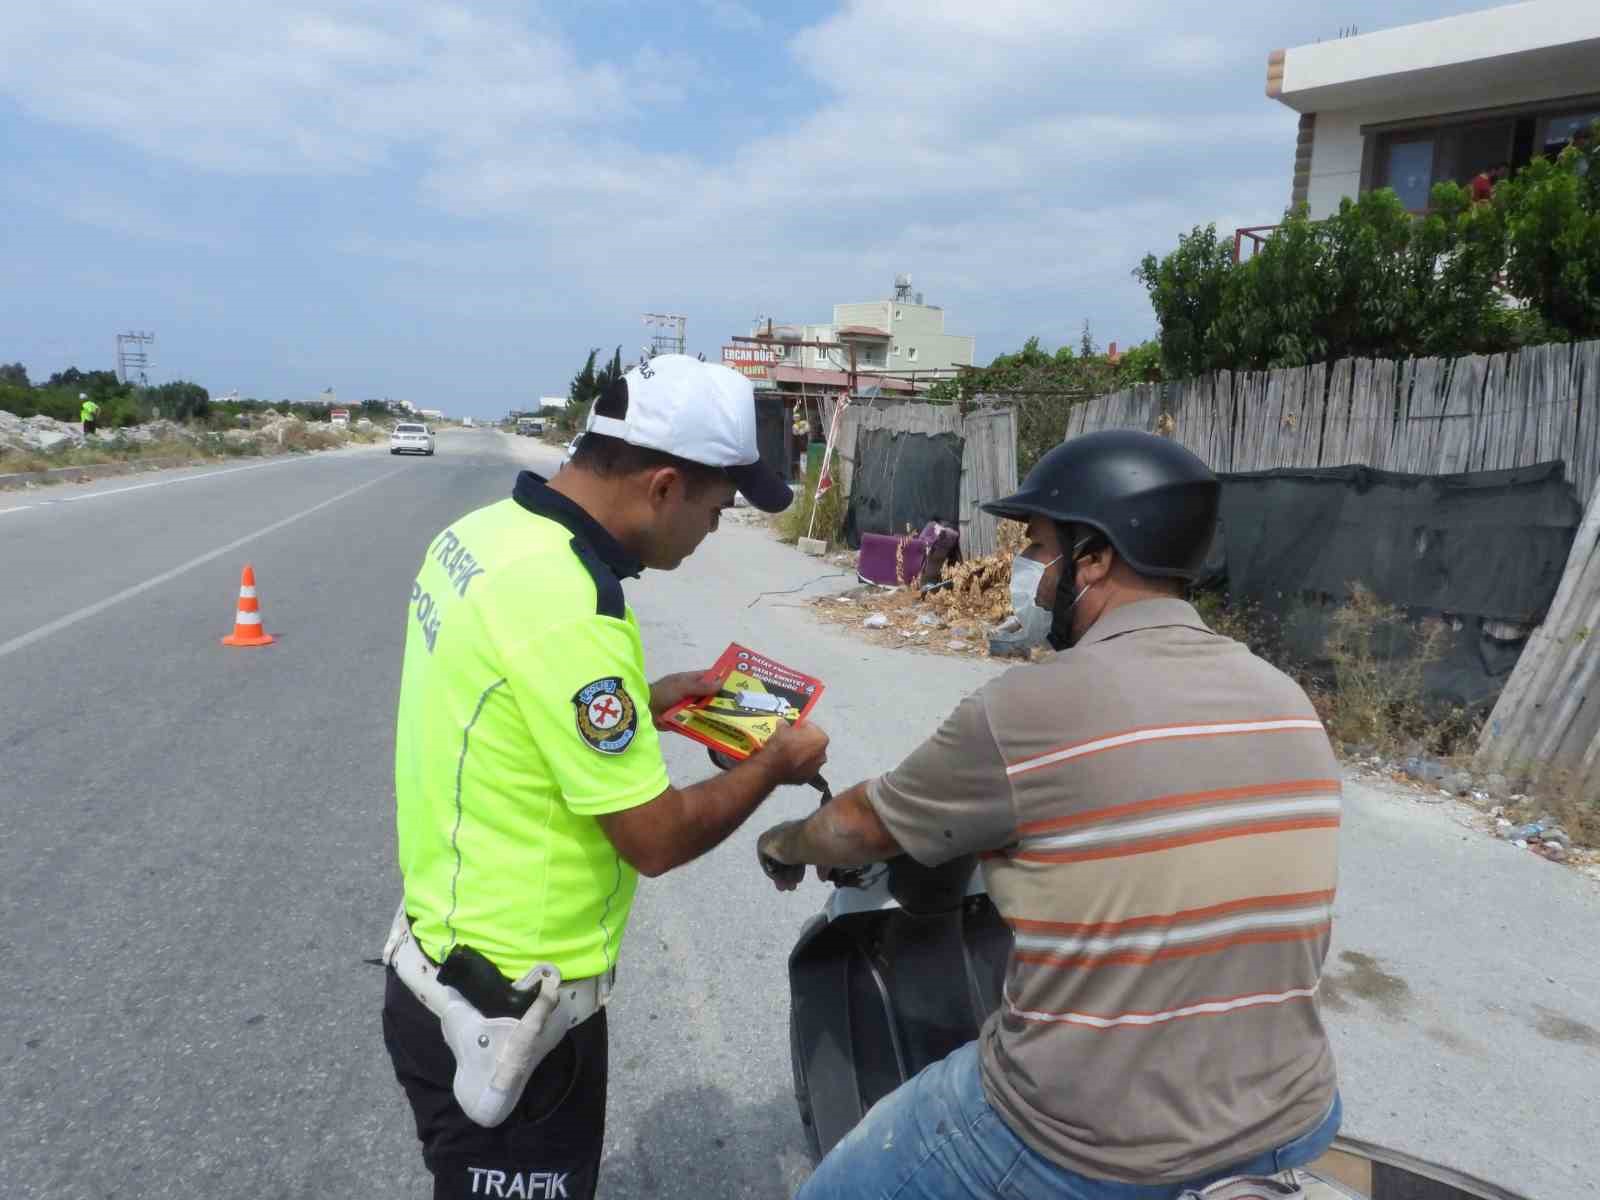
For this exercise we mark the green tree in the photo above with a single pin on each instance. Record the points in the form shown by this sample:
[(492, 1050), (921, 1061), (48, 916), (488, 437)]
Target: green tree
[(580, 395), (14, 374), (181, 401), (613, 370), (1551, 211), (1186, 289)]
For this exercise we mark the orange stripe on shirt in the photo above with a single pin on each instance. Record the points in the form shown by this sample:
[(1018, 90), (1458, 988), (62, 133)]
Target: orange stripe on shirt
[(1135, 958), (1287, 900), (1153, 845), (1287, 787)]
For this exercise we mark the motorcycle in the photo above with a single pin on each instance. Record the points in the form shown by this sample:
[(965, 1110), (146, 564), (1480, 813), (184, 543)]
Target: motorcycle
[(905, 963)]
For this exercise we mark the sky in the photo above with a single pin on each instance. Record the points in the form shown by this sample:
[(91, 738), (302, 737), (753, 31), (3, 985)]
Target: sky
[(451, 203)]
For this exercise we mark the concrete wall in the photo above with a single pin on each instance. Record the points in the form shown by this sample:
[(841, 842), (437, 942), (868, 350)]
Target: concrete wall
[(874, 313)]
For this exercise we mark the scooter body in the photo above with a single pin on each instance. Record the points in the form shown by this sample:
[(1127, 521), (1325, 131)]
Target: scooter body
[(905, 964), (893, 975)]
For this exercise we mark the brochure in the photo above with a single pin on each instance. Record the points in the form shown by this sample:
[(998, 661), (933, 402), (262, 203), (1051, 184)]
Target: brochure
[(756, 694)]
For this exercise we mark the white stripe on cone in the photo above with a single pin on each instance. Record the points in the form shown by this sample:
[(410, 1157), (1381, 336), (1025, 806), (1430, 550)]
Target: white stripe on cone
[(247, 593), (248, 618)]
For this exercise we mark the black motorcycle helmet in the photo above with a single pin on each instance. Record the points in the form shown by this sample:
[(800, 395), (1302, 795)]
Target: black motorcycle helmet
[(1154, 501)]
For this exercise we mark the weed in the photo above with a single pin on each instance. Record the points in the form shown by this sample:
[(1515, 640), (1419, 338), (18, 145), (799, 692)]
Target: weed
[(795, 522), (1376, 697)]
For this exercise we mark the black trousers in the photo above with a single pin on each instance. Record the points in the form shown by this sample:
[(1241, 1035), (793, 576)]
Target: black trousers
[(547, 1149)]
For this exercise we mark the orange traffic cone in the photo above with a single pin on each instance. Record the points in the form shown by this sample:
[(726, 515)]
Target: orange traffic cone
[(247, 629)]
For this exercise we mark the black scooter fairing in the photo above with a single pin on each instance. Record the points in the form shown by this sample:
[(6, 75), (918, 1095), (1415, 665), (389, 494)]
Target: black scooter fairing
[(877, 996)]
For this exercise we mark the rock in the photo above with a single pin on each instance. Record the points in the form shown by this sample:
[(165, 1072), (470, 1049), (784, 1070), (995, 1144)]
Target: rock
[(1502, 828), (1556, 836), (876, 621), (47, 439), (930, 621), (1496, 784), (1459, 783), (1426, 770), (958, 644)]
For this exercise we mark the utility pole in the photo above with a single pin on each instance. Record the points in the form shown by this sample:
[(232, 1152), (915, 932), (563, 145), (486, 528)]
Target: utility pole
[(132, 356), (671, 332)]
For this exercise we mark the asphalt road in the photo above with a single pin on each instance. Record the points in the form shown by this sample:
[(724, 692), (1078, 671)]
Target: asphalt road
[(199, 854)]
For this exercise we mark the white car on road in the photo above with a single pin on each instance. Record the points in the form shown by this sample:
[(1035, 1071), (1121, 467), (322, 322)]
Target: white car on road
[(411, 439)]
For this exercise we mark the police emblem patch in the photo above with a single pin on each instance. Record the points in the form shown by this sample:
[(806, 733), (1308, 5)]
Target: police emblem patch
[(607, 719)]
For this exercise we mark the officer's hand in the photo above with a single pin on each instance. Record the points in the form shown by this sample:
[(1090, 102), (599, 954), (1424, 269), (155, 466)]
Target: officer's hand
[(672, 690), (798, 752), (770, 853)]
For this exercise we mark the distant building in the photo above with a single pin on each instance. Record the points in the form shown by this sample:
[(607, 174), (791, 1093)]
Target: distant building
[(899, 345), (1442, 100), (552, 402)]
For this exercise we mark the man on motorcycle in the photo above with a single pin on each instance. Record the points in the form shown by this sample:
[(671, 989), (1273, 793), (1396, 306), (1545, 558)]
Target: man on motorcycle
[(1157, 812)]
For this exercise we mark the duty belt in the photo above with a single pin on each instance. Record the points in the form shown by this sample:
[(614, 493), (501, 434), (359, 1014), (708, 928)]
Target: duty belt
[(498, 1033)]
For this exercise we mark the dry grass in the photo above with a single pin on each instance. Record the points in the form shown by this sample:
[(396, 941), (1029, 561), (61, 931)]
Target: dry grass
[(1376, 695), (951, 619), (1559, 797), (95, 454), (205, 447)]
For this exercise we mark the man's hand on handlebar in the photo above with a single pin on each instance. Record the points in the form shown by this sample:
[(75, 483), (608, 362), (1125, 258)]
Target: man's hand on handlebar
[(769, 850), (796, 752)]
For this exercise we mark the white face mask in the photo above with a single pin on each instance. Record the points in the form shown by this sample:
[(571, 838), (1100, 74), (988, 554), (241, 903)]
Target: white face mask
[(1026, 573)]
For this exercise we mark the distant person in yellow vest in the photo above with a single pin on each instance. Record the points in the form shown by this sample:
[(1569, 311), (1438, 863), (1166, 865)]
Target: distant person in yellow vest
[(88, 411)]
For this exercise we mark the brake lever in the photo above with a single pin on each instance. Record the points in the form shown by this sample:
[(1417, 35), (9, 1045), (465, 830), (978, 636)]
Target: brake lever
[(775, 870)]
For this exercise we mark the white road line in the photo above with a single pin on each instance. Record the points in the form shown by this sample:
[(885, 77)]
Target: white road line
[(18, 508), (83, 614), (139, 487)]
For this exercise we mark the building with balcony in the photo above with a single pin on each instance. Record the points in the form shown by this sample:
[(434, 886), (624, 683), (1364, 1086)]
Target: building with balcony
[(1442, 100)]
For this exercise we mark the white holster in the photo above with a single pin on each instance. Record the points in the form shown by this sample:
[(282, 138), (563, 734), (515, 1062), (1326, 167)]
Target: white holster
[(495, 1056)]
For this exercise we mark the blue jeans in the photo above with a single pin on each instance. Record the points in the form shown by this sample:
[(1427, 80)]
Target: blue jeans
[(936, 1138)]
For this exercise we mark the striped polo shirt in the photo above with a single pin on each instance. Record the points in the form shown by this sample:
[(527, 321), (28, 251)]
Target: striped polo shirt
[(1158, 813)]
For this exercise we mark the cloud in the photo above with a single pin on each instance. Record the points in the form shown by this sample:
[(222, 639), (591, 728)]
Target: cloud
[(331, 88), (731, 15), (995, 149)]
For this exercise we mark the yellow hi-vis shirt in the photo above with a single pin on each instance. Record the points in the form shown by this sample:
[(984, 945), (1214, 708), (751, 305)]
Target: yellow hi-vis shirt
[(524, 713), (87, 410)]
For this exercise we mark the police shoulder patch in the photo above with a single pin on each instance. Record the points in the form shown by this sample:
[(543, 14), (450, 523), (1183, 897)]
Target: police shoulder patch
[(607, 718)]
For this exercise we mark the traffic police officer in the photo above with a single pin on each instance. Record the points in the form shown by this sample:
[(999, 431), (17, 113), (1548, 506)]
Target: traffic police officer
[(1157, 813), (529, 783)]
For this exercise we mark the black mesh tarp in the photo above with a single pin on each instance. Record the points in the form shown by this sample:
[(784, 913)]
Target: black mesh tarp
[(1483, 550), (903, 480)]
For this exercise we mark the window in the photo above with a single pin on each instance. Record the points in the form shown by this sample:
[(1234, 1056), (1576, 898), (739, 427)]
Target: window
[(1558, 131), (1411, 159), (1408, 169), (894, 349), (898, 314), (911, 354)]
